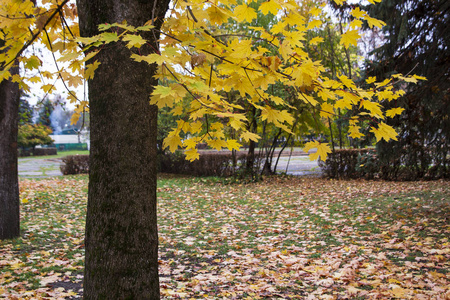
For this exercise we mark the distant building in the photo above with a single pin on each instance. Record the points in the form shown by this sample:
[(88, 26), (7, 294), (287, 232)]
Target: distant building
[(69, 139)]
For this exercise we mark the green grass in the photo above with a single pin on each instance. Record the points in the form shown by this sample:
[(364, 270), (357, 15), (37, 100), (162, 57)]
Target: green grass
[(284, 238), (59, 155)]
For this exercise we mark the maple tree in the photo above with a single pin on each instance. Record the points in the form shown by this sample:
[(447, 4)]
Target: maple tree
[(198, 59), (33, 135)]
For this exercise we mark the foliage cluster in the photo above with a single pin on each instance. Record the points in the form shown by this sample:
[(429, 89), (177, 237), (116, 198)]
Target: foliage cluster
[(32, 135), (219, 68)]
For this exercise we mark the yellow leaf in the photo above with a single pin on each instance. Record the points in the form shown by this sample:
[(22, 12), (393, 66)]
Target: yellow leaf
[(373, 107), (354, 132), (134, 40), (371, 79), (192, 154), (350, 38), (270, 7), (374, 22), (394, 111), (32, 62), (48, 88), (173, 141), (151, 58), (244, 12), (326, 110), (322, 150), (357, 13), (420, 77), (247, 135), (216, 143), (233, 145), (373, 1), (316, 40), (90, 69), (385, 132)]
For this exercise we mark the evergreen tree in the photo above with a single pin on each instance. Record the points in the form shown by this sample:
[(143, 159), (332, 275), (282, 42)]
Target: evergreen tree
[(45, 113), (417, 39), (25, 110)]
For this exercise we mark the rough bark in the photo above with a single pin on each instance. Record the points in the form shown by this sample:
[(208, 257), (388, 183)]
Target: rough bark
[(121, 226), (9, 185)]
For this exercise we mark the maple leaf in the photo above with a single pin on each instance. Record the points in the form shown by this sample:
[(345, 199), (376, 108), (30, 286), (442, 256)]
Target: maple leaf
[(394, 111), (374, 22), (90, 70), (357, 13), (270, 7), (350, 38), (385, 132), (134, 40), (216, 143), (244, 12), (322, 150), (354, 132), (326, 110), (247, 135), (233, 144), (371, 79), (173, 141), (316, 40), (32, 62), (192, 154)]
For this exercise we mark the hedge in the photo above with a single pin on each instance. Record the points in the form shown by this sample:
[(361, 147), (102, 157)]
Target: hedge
[(343, 163), (367, 163), (75, 164), (215, 164)]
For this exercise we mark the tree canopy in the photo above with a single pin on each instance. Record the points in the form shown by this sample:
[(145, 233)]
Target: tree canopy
[(201, 59)]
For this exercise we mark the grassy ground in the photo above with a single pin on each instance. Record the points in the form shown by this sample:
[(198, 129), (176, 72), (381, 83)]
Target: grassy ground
[(284, 238), (59, 155)]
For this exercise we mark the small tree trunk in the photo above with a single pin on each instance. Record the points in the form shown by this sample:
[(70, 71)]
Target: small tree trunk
[(9, 184), (121, 225)]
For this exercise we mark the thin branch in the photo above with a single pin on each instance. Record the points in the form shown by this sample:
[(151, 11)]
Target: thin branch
[(34, 37)]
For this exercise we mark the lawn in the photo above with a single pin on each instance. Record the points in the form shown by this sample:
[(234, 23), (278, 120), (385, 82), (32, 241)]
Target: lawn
[(59, 155), (283, 238)]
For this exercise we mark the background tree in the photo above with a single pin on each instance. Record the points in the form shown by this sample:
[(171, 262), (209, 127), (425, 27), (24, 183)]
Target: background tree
[(9, 185), (31, 136), (121, 229), (45, 112), (25, 110), (416, 39)]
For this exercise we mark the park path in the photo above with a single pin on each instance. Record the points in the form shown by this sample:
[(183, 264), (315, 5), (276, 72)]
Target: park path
[(297, 164), (30, 167)]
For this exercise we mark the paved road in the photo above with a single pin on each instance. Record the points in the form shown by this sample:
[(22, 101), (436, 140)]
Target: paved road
[(297, 164)]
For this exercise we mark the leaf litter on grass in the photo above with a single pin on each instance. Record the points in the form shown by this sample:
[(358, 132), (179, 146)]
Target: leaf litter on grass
[(284, 238)]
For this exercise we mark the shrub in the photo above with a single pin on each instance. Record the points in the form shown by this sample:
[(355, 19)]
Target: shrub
[(44, 151), (343, 163), (75, 164), (371, 163), (209, 164)]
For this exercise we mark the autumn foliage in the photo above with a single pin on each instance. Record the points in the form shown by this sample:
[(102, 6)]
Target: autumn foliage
[(203, 59)]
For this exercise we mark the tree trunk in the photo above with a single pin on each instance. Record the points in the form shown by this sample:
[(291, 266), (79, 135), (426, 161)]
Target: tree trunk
[(121, 226), (9, 184)]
